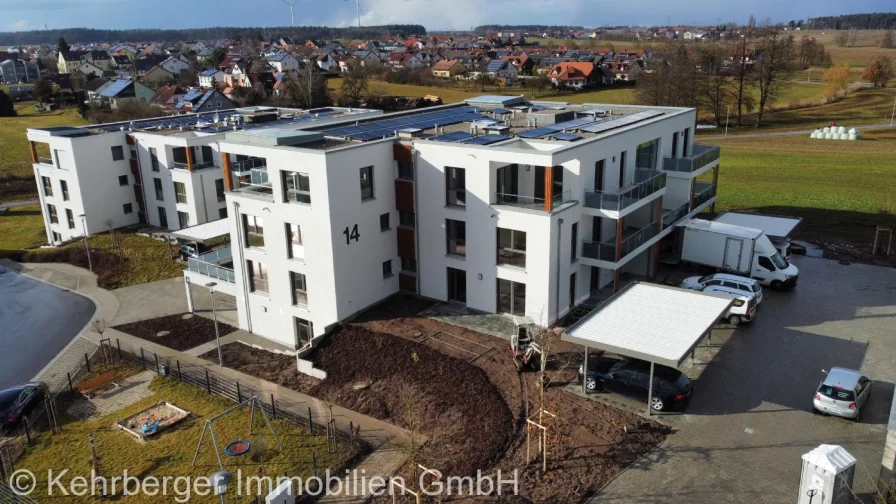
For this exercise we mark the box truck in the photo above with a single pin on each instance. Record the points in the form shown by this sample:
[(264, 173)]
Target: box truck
[(778, 229), (737, 249)]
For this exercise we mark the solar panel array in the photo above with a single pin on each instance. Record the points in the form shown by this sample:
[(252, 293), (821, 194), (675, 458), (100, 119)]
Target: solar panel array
[(621, 122), (455, 136), (115, 88), (484, 140), (555, 128), (569, 137), (385, 128)]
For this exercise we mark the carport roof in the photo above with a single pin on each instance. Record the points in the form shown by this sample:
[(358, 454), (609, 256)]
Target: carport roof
[(650, 322), (203, 232)]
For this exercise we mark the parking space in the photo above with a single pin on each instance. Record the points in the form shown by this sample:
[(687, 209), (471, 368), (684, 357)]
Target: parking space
[(751, 416)]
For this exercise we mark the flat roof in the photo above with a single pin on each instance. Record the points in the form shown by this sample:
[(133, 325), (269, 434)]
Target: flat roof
[(723, 228), (651, 322), (778, 227), (203, 232)]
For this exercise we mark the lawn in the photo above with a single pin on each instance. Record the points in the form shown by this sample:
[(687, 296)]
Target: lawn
[(171, 452), (21, 227), (840, 188)]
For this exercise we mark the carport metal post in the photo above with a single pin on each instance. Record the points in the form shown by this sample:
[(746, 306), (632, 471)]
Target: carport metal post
[(650, 389)]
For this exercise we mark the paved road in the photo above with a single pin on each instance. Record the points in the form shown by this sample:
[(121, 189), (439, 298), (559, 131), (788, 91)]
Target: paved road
[(36, 322), (751, 420), (13, 204), (735, 136)]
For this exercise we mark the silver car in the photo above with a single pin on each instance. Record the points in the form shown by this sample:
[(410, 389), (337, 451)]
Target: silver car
[(842, 393)]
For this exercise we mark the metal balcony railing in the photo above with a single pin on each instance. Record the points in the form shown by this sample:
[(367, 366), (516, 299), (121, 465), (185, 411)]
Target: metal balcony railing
[(647, 182), (703, 193), (531, 202), (246, 165), (606, 251), (670, 217), (702, 156)]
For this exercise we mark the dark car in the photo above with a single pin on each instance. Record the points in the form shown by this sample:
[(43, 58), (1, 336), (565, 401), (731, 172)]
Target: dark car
[(672, 390), (17, 402)]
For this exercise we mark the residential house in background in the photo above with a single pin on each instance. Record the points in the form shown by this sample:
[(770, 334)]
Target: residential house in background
[(175, 65), (167, 97), (100, 59), (523, 64), (117, 92), (448, 69), (572, 75), (199, 100), (15, 70), (283, 61), (503, 70), (88, 68), (67, 61), (157, 75), (212, 75)]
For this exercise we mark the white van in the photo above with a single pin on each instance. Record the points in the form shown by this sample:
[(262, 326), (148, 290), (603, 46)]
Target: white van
[(744, 307)]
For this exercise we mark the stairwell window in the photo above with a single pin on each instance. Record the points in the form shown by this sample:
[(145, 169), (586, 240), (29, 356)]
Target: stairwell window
[(117, 153), (304, 332), (456, 232), (64, 186), (48, 186), (258, 277), (455, 187), (254, 231), (299, 288), (157, 184), (219, 189), (70, 217), (180, 192), (153, 159), (295, 249), (366, 183), (51, 210)]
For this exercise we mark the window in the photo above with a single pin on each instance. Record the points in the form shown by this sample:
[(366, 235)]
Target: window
[(56, 237), (766, 263), (558, 180), (207, 154), (457, 285), (183, 218), (48, 186), (297, 187), (56, 158), (407, 219), (222, 213), (70, 217), (512, 247), (574, 246), (686, 139), (54, 219), (384, 222), (64, 186), (572, 290), (675, 144), (455, 187), (511, 297), (622, 169), (599, 175), (117, 153), (387, 268), (219, 189), (128, 208), (122, 180), (163, 218), (133, 152), (258, 277), (153, 159), (295, 248), (157, 183), (406, 170), (299, 288), (647, 154), (304, 332), (457, 237), (180, 192), (409, 265), (254, 229), (366, 183)]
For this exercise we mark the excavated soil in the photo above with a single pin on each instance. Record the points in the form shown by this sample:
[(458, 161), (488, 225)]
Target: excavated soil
[(182, 334)]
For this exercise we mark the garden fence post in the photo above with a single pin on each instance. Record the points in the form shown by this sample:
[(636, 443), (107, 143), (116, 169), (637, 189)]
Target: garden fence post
[(208, 387), (180, 376), (351, 434), (142, 359), (87, 360), (239, 395), (310, 423), (314, 462), (70, 387), (27, 430), (118, 342), (157, 363), (273, 407)]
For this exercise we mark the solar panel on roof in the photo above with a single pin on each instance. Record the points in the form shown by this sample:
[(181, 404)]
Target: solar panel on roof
[(453, 137), (569, 137), (426, 120), (500, 111), (536, 133), (485, 140), (621, 122), (115, 88)]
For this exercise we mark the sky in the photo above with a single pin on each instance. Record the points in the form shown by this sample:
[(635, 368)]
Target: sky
[(17, 15)]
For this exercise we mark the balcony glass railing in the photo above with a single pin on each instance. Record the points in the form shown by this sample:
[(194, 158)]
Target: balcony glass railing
[(606, 251), (702, 156), (45, 160), (209, 264), (531, 202), (196, 165), (703, 193), (255, 182), (670, 217), (246, 165), (647, 182)]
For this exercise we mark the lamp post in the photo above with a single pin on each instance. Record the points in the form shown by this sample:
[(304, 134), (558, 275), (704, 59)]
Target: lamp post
[(86, 245), (220, 480), (211, 291)]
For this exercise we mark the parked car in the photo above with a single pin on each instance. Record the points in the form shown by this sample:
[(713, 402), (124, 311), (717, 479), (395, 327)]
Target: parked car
[(842, 393), (17, 402), (672, 390), (744, 307), (748, 285)]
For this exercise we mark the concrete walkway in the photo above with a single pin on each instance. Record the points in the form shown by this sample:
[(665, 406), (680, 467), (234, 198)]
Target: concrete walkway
[(148, 301), (14, 204)]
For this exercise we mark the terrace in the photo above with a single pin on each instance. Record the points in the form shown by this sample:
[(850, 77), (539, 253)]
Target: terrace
[(703, 156), (614, 252), (627, 199)]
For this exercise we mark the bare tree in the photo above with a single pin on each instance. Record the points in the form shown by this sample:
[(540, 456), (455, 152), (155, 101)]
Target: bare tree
[(714, 88), (743, 75), (673, 82), (775, 66), (354, 84), (417, 447)]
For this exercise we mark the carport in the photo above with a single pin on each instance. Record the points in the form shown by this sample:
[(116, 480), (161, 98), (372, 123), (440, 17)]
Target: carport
[(651, 322), (203, 232)]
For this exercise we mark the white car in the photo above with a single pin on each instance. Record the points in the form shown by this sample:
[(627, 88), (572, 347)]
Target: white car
[(744, 307), (744, 284)]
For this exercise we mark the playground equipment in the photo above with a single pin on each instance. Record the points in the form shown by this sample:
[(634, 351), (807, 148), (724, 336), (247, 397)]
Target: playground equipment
[(235, 448)]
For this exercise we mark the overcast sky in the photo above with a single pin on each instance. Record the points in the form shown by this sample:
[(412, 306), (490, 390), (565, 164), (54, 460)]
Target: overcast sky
[(434, 14)]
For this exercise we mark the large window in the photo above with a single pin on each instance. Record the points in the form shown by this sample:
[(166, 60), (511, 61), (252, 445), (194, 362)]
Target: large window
[(70, 217), (64, 186), (51, 210), (153, 159), (157, 183), (48, 186), (456, 232), (180, 192), (455, 187), (574, 245), (406, 170), (295, 248), (457, 285), (117, 153), (219, 189), (647, 154), (304, 332), (299, 288), (183, 218), (254, 229), (511, 297), (512, 247), (258, 276), (366, 182), (297, 187), (163, 218)]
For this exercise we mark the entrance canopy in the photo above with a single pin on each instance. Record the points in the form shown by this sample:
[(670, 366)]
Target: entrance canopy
[(204, 232), (651, 322)]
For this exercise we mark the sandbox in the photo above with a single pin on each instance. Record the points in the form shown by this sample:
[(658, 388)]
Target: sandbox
[(152, 420)]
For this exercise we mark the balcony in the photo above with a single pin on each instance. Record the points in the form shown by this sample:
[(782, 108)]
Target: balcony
[(45, 160), (703, 192), (255, 183), (632, 238), (196, 166), (647, 183), (670, 217), (214, 264), (702, 156), (532, 203), (247, 165)]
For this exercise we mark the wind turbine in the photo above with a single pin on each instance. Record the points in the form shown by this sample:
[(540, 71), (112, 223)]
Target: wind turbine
[(358, 4), (292, 19)]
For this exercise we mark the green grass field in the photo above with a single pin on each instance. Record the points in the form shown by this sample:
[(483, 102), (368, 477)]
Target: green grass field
[(170, 453), (21, 227), (15, 160)]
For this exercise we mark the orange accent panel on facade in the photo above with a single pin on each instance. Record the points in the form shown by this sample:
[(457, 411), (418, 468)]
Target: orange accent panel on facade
[(407, 282), (228, 171), (401, 152), (406, 243), (404, 195)]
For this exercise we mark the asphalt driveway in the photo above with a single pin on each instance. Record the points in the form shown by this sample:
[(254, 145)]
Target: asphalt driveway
[(36, 322), (751, 418)]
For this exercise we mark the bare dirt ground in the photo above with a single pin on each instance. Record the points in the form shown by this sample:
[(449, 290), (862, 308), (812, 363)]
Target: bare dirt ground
[(182, 333), (469, 396), (849, 251)]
